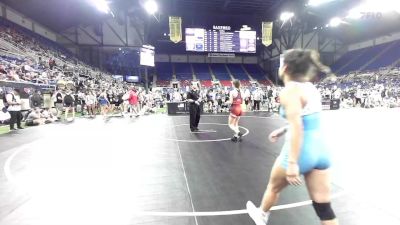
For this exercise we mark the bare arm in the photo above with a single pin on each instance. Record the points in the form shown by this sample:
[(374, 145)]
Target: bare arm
[(291, 100), (281, 131), (230, 98)]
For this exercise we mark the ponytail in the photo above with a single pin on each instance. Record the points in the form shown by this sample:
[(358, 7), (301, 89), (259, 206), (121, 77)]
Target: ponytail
[(315, 61)]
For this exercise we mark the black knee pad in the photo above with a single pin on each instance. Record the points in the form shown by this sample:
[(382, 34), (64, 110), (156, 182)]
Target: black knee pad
[(324, 211)]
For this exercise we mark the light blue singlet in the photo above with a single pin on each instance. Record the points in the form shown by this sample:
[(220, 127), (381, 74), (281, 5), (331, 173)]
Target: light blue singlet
[(314, 153)]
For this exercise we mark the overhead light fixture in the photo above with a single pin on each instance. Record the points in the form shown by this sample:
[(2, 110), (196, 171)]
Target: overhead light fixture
[(318, 2), (151, 7), (285, 16), (334, 22), (101, 5)]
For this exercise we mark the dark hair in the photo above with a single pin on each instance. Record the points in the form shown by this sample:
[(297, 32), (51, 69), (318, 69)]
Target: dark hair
[(304, 64), (236, 83)]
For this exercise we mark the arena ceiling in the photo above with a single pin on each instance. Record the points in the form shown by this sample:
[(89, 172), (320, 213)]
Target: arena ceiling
[(62, 14)]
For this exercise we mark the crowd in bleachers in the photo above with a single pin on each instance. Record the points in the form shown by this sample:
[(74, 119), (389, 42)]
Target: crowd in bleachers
[(365, 89), (27, 58)]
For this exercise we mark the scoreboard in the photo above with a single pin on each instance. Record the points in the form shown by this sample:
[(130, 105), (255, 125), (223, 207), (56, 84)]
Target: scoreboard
[(202, 40)]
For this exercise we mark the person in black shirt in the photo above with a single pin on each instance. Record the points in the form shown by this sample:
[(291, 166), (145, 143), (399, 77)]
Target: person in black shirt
[(58, 102), (194, 108), (69, 104)]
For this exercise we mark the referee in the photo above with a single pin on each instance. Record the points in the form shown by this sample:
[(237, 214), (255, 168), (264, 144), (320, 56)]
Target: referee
[(194, 108)]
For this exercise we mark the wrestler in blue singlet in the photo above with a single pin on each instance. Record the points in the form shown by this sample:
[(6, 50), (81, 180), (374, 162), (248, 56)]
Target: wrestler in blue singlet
[(314, 153)]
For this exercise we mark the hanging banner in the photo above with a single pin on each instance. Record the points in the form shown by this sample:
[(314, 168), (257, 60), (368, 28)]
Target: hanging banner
[(267, 33), (175, 29)]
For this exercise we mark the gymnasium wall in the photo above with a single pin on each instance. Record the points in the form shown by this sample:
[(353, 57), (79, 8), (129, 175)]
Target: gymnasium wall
[(375, 41), (18, 18)]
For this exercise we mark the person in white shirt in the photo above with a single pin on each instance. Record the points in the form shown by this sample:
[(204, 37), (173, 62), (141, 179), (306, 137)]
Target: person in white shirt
[(257, 94), (13, 101), (177, 96), (91, 104)]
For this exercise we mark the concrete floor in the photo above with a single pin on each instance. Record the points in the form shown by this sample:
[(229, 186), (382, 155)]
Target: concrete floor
[(151, 170)]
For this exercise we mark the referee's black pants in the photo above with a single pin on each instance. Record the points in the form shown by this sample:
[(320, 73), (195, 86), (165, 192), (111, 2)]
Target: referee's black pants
[(194, 111), (257, 105)]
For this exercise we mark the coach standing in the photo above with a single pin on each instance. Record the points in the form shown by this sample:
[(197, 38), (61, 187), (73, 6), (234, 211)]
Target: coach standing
[(194, 108)]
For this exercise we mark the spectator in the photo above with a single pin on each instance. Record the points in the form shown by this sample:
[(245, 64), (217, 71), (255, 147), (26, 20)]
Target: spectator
[(257, 95), (91, 104), (69, 105), (34, 118), (133, 102), (48, 116), (13, 104), (58, 102), (36, 100)]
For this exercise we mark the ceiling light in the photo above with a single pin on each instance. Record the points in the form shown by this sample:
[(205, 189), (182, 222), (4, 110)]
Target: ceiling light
[(101, 5), (285, 16), (334, 22), (318, 2), (151, 7)]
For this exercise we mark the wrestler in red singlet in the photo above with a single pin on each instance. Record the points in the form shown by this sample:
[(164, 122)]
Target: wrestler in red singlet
[(236, 111), (236, 108)]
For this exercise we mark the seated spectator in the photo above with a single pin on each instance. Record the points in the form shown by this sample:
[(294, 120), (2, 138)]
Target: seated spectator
[(13, 76), (34, 118), (4, 116), (48, 116)]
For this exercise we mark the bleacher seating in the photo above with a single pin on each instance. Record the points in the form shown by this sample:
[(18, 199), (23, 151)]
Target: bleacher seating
[(185, 83), (366, 56), (220, 72), (265, 83), (345, 59), (206, 83), (245, 83), (202, 71), (163, 83), (183, 71), (255, 71), (237, 71), (164, 71), (226, 83), (27, 36), (387, 53), (386, 59)]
